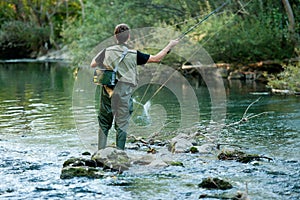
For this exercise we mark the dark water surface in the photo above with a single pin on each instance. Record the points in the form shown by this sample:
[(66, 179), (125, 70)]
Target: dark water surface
[(38, 133)]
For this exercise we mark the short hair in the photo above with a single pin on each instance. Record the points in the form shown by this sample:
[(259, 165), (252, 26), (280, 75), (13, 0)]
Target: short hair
[(122, 33)]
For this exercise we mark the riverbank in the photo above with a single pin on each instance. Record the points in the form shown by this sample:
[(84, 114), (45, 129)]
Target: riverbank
[(264, 71), (280, 77), (57, 55), (62, 55)]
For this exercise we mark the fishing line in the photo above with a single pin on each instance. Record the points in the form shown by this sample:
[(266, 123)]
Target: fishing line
[(182, 22), (156, 92), (181, 36)]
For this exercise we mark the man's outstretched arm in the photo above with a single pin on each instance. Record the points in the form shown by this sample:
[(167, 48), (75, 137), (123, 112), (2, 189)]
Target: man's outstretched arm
[(160, 55)]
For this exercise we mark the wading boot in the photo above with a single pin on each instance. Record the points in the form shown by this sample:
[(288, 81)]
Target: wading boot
[(121, 139), (102, 139)]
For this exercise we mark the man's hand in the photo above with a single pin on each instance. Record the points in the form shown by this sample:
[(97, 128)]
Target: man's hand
[(173, 43), (159, 56)]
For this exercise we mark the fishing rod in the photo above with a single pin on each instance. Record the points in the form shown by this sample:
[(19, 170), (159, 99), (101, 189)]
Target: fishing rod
[(181, 37), (184, 34), (201, 21)]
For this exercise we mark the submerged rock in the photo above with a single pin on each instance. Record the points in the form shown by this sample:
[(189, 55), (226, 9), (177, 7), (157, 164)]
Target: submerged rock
[(163, 158), (177, 163), (143, 160), (238, 196)]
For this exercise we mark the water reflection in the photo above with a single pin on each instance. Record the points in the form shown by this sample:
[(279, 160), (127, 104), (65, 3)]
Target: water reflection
[(35, 97), (38, 133)]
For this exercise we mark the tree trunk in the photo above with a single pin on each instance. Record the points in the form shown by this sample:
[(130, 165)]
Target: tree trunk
[(82, 10), (52, 40), (291, 18)]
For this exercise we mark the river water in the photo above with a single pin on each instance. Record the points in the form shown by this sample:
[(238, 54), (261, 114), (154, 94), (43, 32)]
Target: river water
[(38, 133)]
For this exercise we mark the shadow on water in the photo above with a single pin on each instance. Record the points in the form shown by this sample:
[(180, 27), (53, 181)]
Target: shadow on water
[(38, 133)]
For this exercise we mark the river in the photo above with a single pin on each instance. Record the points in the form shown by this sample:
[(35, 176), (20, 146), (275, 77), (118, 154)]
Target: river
[(38, 132)]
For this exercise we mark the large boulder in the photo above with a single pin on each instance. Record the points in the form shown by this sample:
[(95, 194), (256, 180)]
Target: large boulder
[(112, 158)]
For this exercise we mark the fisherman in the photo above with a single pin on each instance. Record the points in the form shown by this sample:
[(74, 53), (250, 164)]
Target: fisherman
[(115, 96)]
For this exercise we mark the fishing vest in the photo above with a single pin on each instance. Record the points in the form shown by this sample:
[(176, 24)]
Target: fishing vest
[(127, 70)]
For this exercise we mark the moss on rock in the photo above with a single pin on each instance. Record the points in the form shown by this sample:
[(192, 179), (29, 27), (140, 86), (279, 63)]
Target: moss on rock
[(82, 171)]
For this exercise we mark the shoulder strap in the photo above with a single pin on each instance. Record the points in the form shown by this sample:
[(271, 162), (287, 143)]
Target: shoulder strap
[(122, 57)]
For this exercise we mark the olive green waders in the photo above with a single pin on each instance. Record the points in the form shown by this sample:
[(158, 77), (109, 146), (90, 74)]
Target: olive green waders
[(118, 108)]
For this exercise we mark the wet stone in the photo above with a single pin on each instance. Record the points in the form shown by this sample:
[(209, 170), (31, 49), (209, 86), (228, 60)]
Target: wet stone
[(215, 183), (158, 163), (113, 159), (86, 153), (239, 156), (81, 171), (194, 150), (76, 162), (80, 167), (177, 163), (180, 144)]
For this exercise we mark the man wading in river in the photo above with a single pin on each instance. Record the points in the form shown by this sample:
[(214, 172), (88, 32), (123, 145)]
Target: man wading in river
[(118, 82)]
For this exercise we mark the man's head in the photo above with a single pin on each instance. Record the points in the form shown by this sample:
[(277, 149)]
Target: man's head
[(122, 33)]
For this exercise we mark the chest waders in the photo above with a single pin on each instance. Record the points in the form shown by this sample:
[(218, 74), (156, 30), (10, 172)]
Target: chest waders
[(118, 106)]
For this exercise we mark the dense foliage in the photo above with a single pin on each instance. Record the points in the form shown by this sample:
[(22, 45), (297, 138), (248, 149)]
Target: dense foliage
[(30, 27), (289, 79), (20, 39), (243, 31)]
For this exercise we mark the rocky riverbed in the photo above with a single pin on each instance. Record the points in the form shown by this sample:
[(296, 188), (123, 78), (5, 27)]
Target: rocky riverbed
[(156, 154)]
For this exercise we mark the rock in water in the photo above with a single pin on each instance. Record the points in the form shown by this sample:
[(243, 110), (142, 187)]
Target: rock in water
[(81, 171), (215, 183), (109, 158), (76, 162), (80, 167), (180, 144), (112, 158)]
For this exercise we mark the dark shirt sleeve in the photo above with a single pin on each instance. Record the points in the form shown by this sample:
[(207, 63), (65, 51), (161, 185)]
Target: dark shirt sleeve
[(142, 58)]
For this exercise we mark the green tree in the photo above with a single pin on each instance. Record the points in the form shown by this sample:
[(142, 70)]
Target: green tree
[(243, 31), (43, 16)]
